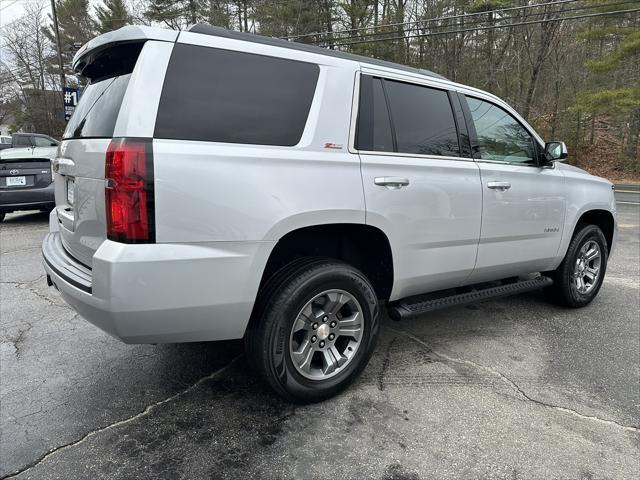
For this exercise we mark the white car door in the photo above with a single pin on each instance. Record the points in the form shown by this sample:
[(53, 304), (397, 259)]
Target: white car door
[(421, 186), (523, 203)]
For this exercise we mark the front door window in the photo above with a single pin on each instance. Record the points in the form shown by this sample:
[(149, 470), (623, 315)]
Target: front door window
[(500, 136)]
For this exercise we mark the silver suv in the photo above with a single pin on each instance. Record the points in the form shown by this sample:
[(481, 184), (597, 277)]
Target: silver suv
[(216, 185)]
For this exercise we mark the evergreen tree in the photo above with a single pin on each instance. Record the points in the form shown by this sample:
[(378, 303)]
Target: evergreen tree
[(615, 72), (288, 17), (175, 15), (112, 15), (76, 28), (217, 12)]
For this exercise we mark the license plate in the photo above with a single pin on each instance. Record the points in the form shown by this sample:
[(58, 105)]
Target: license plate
[(16, 181), (70, 185)]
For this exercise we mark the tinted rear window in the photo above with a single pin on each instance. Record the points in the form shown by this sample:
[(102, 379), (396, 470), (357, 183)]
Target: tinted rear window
[(225, 96), (423, 119), (97, 111), (22, 141)]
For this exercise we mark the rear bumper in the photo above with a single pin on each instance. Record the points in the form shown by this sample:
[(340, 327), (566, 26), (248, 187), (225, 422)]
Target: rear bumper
[(27, 198), (162, 293)]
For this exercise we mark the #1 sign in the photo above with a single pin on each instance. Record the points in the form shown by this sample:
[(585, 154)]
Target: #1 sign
[(71, 97)]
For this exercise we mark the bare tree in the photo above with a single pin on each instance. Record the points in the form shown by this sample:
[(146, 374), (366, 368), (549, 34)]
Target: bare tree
[(27, 75)]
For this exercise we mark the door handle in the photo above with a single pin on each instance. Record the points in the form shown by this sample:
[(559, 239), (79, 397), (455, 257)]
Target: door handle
[(391, 182), (502, 186)]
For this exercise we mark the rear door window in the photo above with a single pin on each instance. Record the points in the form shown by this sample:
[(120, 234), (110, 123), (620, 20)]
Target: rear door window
[(422, 119), (22, 141), (97, 112), (218, 95)]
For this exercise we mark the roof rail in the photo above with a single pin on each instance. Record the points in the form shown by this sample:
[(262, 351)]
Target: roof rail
[(206, 29)]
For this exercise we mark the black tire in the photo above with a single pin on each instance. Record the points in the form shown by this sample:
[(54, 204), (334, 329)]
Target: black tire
[(2, 214), (277, 307), (564, 291)]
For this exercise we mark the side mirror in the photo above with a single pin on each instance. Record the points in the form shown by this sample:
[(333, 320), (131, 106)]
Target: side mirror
[(555, 151)]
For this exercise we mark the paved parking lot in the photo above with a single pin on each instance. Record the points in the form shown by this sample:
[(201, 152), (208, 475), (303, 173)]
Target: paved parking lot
[(508, 389)]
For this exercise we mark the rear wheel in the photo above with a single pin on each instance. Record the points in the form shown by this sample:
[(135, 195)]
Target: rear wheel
[(580, 275), (315, 327)]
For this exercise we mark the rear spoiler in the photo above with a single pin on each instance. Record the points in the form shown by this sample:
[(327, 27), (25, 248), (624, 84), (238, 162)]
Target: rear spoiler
[(125, 35)]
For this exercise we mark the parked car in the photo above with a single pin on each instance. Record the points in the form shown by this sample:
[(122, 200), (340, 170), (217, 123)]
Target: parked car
[(232, 185), (21, 140), (26, 182), (5, 140)]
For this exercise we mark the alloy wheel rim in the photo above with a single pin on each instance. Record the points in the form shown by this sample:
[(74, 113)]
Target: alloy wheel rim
[(587, 267), (326, 334)]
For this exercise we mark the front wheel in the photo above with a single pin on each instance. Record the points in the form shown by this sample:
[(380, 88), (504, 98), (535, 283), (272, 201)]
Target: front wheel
[(315, 327), (580, 275)]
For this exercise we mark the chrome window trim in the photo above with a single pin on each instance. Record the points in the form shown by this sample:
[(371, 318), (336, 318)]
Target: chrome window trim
[(416, 79), (414, 155), (520, 164)]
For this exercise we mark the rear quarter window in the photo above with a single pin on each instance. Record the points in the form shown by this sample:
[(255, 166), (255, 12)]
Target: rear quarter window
[(218, 95)]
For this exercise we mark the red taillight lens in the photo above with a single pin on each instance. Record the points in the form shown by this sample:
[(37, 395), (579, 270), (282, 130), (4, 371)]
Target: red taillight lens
[(128, 174)]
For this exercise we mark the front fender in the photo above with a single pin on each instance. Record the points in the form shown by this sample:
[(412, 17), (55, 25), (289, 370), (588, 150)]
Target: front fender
[(585, 193)]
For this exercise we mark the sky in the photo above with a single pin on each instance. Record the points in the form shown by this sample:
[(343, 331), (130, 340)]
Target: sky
[(12, 9)]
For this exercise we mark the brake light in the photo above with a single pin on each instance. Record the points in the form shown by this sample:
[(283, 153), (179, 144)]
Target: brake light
[(129, 199)]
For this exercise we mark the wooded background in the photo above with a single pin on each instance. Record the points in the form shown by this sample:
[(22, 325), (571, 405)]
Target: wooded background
[(571, 67)]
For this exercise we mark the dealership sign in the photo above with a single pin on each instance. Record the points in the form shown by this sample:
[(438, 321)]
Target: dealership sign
[(71, 97)]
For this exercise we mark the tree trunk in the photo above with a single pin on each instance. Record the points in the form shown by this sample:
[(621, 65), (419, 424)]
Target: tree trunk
[(489, 52), (400, 30), (325, 7), (246, 15), (556, 102), (530, 91), (632, 147), (375, 13)]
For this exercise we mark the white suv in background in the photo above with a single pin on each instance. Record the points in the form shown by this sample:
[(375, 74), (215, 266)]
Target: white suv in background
[(217, 185)]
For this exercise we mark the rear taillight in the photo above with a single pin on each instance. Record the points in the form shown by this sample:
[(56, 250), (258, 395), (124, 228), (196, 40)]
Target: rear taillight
[(128, 174)]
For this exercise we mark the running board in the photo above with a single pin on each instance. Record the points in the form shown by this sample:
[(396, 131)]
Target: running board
[(405, 309)]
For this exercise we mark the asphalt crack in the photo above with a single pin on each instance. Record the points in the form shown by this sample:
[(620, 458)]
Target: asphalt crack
[(47, 299), (520, 392), (147, 410), (19, 339), (30, 288)]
